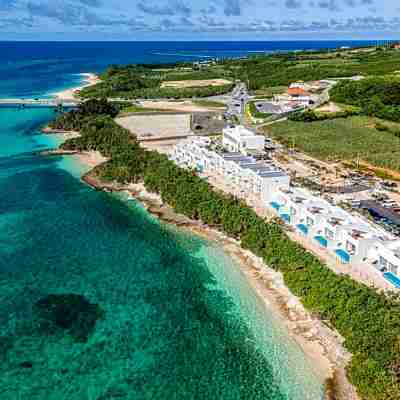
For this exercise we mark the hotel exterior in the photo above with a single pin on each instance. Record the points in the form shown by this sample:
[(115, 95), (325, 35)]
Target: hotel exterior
[(350, 238), (250, 175), (239, 139)]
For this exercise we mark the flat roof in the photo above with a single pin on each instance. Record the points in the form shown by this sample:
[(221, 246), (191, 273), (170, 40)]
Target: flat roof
[(238, 158), (265, 170)]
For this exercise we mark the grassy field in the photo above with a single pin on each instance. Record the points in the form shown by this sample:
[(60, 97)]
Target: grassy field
[(138, 109), (270, 91), (209, 103), (341, 139)]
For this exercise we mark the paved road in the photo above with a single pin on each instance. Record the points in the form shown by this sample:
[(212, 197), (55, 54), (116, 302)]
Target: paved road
[(37, 102), (240, 97)]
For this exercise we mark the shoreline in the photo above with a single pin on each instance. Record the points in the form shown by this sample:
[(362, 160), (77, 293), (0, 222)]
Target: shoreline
[(321, 345), (68, 95)]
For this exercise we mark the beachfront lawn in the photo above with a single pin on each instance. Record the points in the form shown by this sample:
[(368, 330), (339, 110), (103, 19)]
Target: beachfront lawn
[(342, 139)]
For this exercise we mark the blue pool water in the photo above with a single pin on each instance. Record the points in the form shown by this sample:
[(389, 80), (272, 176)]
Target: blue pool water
[(321, 240), (303, 229), (343, 255), (276, 206), (393, 279)]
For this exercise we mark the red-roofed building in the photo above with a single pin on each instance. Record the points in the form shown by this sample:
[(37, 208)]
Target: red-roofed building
[(296, 92)]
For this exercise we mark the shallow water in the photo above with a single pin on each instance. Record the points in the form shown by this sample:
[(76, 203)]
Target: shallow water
[(181, 322)]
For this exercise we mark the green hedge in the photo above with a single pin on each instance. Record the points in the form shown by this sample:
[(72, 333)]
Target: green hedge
[(369, 322), (255, 113), (377, 96), (312, 116)]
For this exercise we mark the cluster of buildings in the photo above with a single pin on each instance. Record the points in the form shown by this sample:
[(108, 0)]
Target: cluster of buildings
[(240, 163), (303, 94), (300, 95), (352, 239)]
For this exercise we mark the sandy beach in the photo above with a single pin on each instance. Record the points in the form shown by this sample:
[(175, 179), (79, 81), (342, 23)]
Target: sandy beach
[(322, 345), (91, 158), (70, 94)]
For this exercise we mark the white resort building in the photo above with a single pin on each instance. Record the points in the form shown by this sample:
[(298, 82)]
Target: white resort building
[(352, 239), (240, 139), (251, 176), (386, 256)]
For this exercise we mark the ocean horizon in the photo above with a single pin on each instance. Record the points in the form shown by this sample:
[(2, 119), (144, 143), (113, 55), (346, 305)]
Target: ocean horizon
[(38, 69)]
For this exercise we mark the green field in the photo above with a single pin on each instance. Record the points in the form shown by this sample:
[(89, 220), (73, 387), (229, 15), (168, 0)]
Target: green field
[(341, 139), (209, 103), (270, 91), (138, 109)]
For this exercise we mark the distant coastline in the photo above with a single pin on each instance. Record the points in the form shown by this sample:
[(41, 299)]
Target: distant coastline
[(70, 94)]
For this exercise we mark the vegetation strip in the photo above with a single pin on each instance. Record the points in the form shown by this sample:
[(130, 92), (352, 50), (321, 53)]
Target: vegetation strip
[(342, 139), (369, 321)]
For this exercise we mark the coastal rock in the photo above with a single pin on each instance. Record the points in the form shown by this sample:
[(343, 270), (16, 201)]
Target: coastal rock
[(70, 313)]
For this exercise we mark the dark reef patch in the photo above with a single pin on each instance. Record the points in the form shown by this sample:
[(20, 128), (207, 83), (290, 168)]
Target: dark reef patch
[(71, 313)]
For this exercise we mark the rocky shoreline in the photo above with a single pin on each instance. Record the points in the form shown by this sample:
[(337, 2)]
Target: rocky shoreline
[(321, 344)]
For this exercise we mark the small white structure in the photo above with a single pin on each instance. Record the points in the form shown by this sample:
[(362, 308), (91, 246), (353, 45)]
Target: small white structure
[(300, 85), (387, 257), (240, 139)]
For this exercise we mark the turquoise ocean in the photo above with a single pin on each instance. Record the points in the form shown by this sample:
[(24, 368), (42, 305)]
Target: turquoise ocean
[(180, 320)]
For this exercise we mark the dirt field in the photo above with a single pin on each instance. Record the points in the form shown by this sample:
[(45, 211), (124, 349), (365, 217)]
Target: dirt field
[(157, 127), (183, 106), (329, 108), (195, 83)]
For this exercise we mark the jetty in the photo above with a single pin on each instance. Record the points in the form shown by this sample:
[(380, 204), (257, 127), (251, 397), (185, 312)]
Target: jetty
[(26, 103)]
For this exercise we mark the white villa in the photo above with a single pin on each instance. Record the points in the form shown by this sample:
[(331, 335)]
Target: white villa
[(386, 255), (251, 176), (350, 238), (240, 139)]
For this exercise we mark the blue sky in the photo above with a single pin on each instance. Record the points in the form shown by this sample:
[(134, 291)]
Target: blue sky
[(198, 19)]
